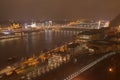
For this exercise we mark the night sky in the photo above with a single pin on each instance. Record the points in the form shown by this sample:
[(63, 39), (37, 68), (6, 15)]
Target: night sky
[(58, 9)]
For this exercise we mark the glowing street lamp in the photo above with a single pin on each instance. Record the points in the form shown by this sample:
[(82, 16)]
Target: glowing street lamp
[(110, 70)]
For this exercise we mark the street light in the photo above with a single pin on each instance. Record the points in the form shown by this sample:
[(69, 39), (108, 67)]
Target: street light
[(110, 69)]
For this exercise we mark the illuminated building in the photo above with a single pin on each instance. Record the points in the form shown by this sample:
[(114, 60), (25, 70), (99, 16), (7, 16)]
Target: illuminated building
[(90, 24)]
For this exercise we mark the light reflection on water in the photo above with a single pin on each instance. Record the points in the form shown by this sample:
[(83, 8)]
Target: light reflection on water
[(4, 41), (32, 43)]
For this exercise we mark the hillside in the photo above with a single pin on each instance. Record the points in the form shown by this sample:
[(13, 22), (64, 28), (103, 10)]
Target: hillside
[(115, 22)]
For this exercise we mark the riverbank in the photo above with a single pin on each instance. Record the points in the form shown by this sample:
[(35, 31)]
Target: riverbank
[(31, 44)]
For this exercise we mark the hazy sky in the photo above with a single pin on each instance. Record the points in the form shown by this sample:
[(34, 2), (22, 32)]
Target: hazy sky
[(58, 9)]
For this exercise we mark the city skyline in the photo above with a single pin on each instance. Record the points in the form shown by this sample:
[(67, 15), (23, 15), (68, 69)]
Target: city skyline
[(59, 39)]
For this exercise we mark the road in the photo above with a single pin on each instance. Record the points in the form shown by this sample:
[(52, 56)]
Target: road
[(108, 69), (72, 76), (67, 69)]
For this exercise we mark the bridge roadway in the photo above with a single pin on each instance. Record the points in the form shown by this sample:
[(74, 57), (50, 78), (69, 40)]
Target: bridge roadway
[(50, 28), (72, 76)]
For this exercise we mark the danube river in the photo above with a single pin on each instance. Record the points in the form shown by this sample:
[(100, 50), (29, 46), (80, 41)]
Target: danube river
[(32, 44)]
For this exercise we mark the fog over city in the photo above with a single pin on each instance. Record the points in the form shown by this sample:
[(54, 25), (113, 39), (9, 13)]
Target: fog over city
[(58, 9), (59, 39)]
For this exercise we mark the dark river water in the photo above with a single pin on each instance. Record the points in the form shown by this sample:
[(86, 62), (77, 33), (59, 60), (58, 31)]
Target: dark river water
[(32, 43)]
